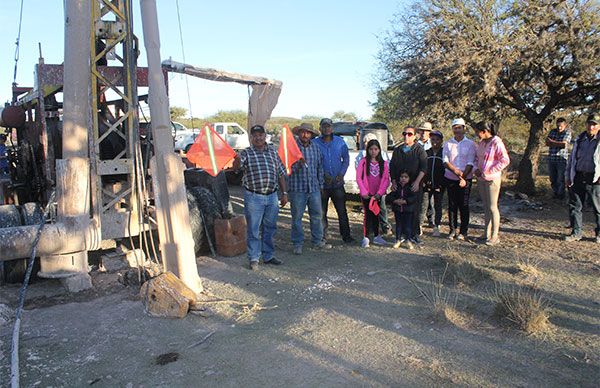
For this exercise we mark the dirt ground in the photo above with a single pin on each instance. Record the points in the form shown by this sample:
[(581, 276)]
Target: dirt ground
[(344, 317)]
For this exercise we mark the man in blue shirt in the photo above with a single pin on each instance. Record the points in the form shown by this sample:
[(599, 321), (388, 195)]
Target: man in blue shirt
[(335, 163), (305, 185)]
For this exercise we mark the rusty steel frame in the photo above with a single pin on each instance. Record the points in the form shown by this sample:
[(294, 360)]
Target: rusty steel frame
[(116, 213)]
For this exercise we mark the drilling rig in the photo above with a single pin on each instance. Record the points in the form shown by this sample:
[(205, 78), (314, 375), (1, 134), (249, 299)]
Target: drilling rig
[(111, 183)]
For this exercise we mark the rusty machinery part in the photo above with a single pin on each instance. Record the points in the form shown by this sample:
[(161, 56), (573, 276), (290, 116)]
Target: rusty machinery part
[(13, 216), (12, 116)]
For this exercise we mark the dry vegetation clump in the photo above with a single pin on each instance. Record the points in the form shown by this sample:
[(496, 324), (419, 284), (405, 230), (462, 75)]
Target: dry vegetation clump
[(441, 301), (529, 267), (523, 307), (462, 270)]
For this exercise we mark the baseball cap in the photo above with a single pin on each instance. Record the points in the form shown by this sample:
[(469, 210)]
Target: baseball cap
[(437, 133), (257, 128), (325, 121), (458, 121), (594, 118)]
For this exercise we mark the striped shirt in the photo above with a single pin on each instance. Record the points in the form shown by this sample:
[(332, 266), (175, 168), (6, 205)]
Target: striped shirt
[(262, 168), (307, 177)]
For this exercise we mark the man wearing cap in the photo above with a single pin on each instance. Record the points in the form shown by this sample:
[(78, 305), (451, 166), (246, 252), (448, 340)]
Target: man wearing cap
[(459, 158), (335, 164), (583, 177), (264, 178), (423, 132), (433, 189), (558, 152), (411, 157), (305, 185)]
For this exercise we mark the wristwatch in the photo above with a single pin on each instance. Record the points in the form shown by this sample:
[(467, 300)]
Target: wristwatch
[(284, 193)]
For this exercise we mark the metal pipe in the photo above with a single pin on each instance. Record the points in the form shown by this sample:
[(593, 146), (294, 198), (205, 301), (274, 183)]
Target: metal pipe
[(60, 238), (176, 242)]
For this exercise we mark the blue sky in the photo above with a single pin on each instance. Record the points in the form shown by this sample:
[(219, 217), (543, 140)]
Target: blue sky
[(323, 51)]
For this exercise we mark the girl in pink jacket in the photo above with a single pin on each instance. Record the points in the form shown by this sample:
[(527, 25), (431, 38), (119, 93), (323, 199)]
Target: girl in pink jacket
[(373, 178)]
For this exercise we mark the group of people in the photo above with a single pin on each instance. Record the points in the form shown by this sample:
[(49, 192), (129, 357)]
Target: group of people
[(413, 180)]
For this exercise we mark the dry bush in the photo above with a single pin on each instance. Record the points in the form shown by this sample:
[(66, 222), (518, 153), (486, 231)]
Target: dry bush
[(529, 266), (523, 307), (462, 270), (440, 300)]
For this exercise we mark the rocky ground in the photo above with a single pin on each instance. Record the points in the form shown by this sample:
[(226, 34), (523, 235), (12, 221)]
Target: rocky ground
[(347, 316)]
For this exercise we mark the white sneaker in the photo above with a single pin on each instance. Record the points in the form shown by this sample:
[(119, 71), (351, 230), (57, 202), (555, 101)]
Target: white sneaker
[(323, 245), (365, 242), (397, 244), (379, 240), (436, 232)]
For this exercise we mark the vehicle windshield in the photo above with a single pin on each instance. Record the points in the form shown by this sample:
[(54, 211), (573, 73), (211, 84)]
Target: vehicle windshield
[(350, 142)]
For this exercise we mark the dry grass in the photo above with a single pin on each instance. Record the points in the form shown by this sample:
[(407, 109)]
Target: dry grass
[(523, 307), (441, 301), (462, 270), (529, 267)]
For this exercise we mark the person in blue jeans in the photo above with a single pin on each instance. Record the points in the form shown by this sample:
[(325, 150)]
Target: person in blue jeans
[(264, 178), (403, 203), (336, 159), (305, 185), (583, 178), (558, 141)]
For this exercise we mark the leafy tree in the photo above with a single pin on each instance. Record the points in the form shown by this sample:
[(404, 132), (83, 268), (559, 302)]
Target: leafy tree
[(224, 116), (487, 59), (340, 115), (177, 113)]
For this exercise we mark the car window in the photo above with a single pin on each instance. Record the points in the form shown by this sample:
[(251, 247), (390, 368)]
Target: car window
[(350, 142), (177, 127), (235, 130), (219, 129)]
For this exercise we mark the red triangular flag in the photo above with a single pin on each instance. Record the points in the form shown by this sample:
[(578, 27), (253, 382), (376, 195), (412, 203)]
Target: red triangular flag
[(288, 149), (210, 152)]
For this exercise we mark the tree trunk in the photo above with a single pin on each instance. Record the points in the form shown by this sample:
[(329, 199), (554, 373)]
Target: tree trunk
[(528, 168)]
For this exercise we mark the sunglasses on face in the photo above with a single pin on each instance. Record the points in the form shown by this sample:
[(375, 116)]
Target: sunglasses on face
[(408, 134)]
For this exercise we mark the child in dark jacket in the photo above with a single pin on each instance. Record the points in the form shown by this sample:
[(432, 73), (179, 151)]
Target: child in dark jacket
[(434, 182), (403, 203)]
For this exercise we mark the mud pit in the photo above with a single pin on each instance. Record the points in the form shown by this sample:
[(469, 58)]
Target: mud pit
[(342, 317)]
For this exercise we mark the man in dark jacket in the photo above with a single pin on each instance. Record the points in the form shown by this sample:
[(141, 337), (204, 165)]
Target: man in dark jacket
[(433, 189), (583, 177), (412, 158)]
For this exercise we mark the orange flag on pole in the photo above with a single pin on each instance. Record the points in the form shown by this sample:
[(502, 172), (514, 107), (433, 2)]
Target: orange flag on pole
[(288, 149), (210, 152)]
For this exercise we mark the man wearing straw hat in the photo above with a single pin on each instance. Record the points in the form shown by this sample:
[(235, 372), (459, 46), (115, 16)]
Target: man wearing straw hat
[(305, 185)]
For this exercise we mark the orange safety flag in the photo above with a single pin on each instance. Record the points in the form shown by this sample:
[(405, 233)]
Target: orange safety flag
[(288, 149), (210, 152)]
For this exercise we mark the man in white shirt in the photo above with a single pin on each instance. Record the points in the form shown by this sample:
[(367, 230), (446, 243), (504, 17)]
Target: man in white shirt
[(459, 158)]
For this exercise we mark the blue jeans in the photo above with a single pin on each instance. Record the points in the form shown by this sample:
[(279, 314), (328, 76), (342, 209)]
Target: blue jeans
[(556, 171), (404, 225), (298, 202), (581, 190), (261, 219)]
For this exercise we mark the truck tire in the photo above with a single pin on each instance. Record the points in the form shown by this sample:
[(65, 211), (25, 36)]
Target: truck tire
[(202, 202)]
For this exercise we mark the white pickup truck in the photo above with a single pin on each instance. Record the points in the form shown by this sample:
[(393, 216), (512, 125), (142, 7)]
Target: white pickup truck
[(232, 133)]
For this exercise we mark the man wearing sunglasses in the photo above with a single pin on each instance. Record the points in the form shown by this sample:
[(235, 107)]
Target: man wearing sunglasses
[(411, 157)]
